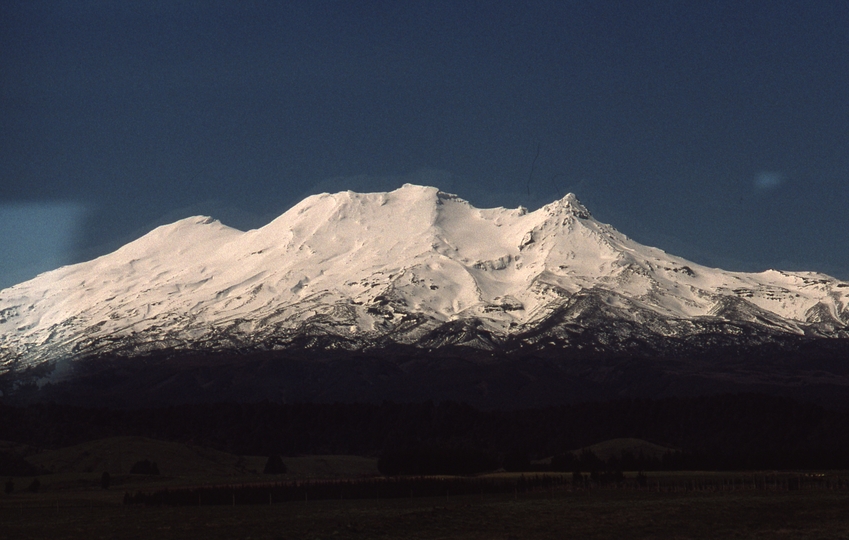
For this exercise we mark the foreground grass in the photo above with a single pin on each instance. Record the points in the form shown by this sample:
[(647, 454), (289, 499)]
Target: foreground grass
[(71, 504), (595, 514)]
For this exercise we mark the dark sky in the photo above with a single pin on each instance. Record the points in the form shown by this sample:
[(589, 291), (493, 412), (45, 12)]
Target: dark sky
[(718, 131)]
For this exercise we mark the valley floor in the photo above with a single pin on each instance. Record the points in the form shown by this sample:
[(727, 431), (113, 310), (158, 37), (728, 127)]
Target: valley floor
[(594, 514)]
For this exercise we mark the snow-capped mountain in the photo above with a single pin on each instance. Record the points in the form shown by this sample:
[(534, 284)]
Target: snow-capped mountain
[(414, 267)]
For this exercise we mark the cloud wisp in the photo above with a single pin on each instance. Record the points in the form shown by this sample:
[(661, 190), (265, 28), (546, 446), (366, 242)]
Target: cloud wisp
[(768, 180)]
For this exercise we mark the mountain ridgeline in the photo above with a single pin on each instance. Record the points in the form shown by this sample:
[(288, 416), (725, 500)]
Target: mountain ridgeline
[(415, 294)]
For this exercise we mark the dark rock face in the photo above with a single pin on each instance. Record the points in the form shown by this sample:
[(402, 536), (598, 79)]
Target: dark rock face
[(553, 364)]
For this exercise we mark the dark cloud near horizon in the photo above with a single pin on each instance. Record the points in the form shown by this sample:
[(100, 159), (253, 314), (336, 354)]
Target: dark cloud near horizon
[(658, 116)]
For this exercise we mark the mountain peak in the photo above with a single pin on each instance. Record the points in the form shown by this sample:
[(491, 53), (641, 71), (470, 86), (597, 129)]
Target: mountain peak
[(417, 188), (570, 204)]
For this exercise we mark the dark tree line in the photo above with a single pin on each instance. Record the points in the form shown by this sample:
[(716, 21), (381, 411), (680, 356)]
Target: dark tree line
[(430, 460), (374, 488), (746, 431)]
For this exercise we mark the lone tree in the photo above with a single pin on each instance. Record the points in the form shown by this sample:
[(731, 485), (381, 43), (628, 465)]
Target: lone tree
[(145, 467), (275, 465)]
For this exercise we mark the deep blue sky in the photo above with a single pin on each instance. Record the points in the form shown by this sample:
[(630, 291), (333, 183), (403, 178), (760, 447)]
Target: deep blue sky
[(718, 131)]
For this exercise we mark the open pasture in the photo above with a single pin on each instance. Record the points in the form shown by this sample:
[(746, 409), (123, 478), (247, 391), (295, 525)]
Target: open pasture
[(686, 505)]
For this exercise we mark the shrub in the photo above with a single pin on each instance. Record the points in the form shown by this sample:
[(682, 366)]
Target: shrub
[(275, 465)]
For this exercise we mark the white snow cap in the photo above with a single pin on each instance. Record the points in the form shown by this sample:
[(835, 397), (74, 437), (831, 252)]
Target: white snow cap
[(375, 265)]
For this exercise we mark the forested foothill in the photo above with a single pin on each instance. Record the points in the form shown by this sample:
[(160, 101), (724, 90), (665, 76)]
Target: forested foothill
[(722, 432)]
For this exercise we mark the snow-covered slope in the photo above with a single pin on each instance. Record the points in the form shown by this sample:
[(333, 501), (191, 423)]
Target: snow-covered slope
[(359, 271)]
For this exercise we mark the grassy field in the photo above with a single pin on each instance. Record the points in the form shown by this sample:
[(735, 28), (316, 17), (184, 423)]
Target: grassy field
[(118, 454), (596, 514), (72, 504), (76, 471)]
